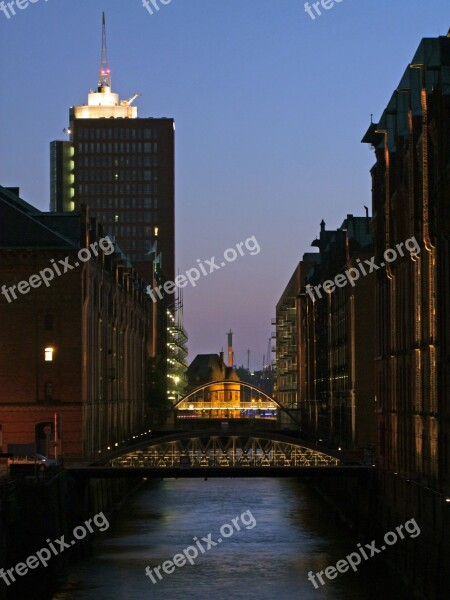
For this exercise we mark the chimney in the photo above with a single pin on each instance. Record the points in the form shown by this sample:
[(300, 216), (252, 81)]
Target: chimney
[(230, 349)]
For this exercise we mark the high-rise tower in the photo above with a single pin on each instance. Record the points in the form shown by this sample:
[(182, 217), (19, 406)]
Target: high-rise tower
[(122, 167)]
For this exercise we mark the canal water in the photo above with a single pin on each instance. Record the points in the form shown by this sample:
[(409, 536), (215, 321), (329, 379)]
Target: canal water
[(285, 532)]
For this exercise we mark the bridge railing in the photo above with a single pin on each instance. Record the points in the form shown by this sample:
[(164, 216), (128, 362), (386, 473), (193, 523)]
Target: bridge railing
[(172, 455)]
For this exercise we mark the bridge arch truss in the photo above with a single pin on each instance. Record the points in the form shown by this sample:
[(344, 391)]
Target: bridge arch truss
[(215, 450), (227, 398)]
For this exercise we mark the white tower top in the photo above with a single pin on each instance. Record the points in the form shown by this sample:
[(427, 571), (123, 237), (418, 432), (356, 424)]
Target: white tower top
[(104, 103)]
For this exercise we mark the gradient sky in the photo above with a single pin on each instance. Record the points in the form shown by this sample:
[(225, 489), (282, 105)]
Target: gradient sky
[(270, 108)]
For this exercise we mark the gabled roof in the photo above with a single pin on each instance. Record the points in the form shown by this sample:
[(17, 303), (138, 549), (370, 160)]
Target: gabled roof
[(24, 226), (209, 367)]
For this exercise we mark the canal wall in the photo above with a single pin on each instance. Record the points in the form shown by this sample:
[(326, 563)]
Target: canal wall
[(373, 505), (424, 564), (36, 509)]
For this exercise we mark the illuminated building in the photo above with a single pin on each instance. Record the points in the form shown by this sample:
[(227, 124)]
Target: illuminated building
[(73, 353), (215, 393), (122, 167), (411, 198), (176, 352)]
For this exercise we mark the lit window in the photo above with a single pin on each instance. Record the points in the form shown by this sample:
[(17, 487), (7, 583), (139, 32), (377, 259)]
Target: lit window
[(49, 354), (156, 231)]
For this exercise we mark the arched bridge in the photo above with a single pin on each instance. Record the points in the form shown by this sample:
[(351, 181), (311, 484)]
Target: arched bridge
[(216, 454), (228, 399), (211, 449)]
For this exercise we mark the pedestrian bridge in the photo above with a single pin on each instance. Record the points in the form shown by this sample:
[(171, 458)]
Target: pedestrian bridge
[(219, 454), (227, 399), (226, 450)]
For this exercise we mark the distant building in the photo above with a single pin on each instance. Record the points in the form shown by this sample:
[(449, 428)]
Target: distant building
[(411, 199), (73, 353), (263, 379), (206, 368), (325, 362), (216, 397), (176, 353), (290, 350), (338, 404)]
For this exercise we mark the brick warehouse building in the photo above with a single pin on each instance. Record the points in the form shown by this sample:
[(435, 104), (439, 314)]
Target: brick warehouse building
[(325, 372), (73, 355), (337, 403), (411, 197)]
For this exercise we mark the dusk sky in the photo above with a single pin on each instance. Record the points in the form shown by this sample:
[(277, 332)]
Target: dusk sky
[(270, 107)]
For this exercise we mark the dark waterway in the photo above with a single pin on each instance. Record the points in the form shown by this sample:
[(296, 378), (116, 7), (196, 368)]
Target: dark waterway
[(290, 532)]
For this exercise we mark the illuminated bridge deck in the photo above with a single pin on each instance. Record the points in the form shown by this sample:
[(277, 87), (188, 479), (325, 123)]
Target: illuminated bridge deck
[(215, 454)]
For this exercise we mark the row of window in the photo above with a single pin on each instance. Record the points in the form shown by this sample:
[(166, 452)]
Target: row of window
[(143, 228), (116, 147), (132, 246), (127, 231), (117, 189), (132, 231), (131, 217), (117, 133), (133, 257), (115, 175), (126, 160), (102, 204)]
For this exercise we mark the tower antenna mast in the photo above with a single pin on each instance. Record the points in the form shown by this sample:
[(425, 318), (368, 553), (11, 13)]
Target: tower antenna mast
[(105, 72)]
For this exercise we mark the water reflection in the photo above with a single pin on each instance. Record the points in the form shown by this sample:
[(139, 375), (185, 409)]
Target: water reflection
[(294, 534)]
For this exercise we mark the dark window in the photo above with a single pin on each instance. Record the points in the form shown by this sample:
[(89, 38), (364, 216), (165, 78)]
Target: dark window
[(48, 391), (48, 322)]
